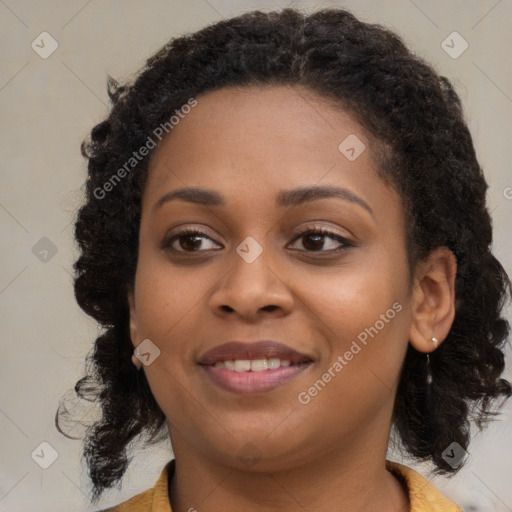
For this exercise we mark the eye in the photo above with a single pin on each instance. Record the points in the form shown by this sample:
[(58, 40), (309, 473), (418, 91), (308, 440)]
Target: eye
[(314, 240), (190, 240)]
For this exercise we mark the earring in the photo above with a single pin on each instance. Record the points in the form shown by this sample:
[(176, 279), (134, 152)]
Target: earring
[(135, 360), (435, 341)]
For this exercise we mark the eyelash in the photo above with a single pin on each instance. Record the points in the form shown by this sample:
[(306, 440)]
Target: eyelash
[(167, 243), (344, 243)]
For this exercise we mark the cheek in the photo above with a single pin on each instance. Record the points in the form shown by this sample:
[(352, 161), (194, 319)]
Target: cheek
[(366, 331), (354, 298), (165, 296), (166, 313), (364, 315)]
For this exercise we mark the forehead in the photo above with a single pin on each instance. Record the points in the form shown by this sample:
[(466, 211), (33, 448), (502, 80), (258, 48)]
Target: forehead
[(253, 145), (265, 134)]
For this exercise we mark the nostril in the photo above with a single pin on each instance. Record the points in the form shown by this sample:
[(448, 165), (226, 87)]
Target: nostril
[(229, 309)]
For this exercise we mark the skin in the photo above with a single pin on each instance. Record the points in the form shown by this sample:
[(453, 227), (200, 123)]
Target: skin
[(248, 144)]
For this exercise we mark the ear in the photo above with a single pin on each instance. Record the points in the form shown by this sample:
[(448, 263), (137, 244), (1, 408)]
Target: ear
[(433, 301), (134, 330)]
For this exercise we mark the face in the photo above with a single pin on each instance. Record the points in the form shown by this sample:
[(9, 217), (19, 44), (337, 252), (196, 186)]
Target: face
[(262, 256)]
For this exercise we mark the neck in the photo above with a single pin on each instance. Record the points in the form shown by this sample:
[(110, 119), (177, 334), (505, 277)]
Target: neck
[(334, 480)]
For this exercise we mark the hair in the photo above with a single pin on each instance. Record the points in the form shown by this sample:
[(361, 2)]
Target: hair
[(427, 155)]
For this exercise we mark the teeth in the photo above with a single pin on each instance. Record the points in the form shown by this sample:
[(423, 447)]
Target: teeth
[(274, 362), (254, 365), (242, 365), (259, 364)]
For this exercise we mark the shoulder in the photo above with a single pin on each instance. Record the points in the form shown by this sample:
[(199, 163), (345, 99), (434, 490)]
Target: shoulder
[(155, 499), (423, 495)]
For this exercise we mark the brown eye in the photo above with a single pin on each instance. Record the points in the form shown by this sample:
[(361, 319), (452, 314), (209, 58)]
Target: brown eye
[(314, 240), (190, 240)]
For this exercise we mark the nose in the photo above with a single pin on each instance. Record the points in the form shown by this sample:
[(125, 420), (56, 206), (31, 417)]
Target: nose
[(250, 290)]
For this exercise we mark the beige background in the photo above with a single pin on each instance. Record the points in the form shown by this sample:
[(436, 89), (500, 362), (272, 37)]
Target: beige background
[(47, 107)]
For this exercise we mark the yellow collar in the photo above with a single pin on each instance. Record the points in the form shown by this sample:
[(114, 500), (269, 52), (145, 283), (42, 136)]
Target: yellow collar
[(424, 497)]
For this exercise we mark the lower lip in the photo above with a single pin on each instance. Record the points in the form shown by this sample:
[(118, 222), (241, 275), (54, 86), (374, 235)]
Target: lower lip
[(253, 382)]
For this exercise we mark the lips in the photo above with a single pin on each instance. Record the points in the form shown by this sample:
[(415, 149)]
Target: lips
[(257, 367), (265, 349)]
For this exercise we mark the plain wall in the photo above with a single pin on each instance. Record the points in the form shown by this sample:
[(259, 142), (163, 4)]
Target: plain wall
[(47, 108)]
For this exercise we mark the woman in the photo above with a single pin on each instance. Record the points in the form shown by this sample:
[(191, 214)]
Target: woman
[(287, 242)]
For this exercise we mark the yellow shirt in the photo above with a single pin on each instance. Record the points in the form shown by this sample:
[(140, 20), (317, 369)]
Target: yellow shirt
[(424, 497)]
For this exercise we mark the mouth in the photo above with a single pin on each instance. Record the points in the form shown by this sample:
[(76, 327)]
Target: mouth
[(257, 367)]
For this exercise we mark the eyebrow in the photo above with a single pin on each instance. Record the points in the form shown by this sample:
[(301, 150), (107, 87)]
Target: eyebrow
[(284, 198)]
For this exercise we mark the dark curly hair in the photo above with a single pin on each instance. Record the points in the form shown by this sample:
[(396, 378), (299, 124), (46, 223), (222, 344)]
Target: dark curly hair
[(426, 153)]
